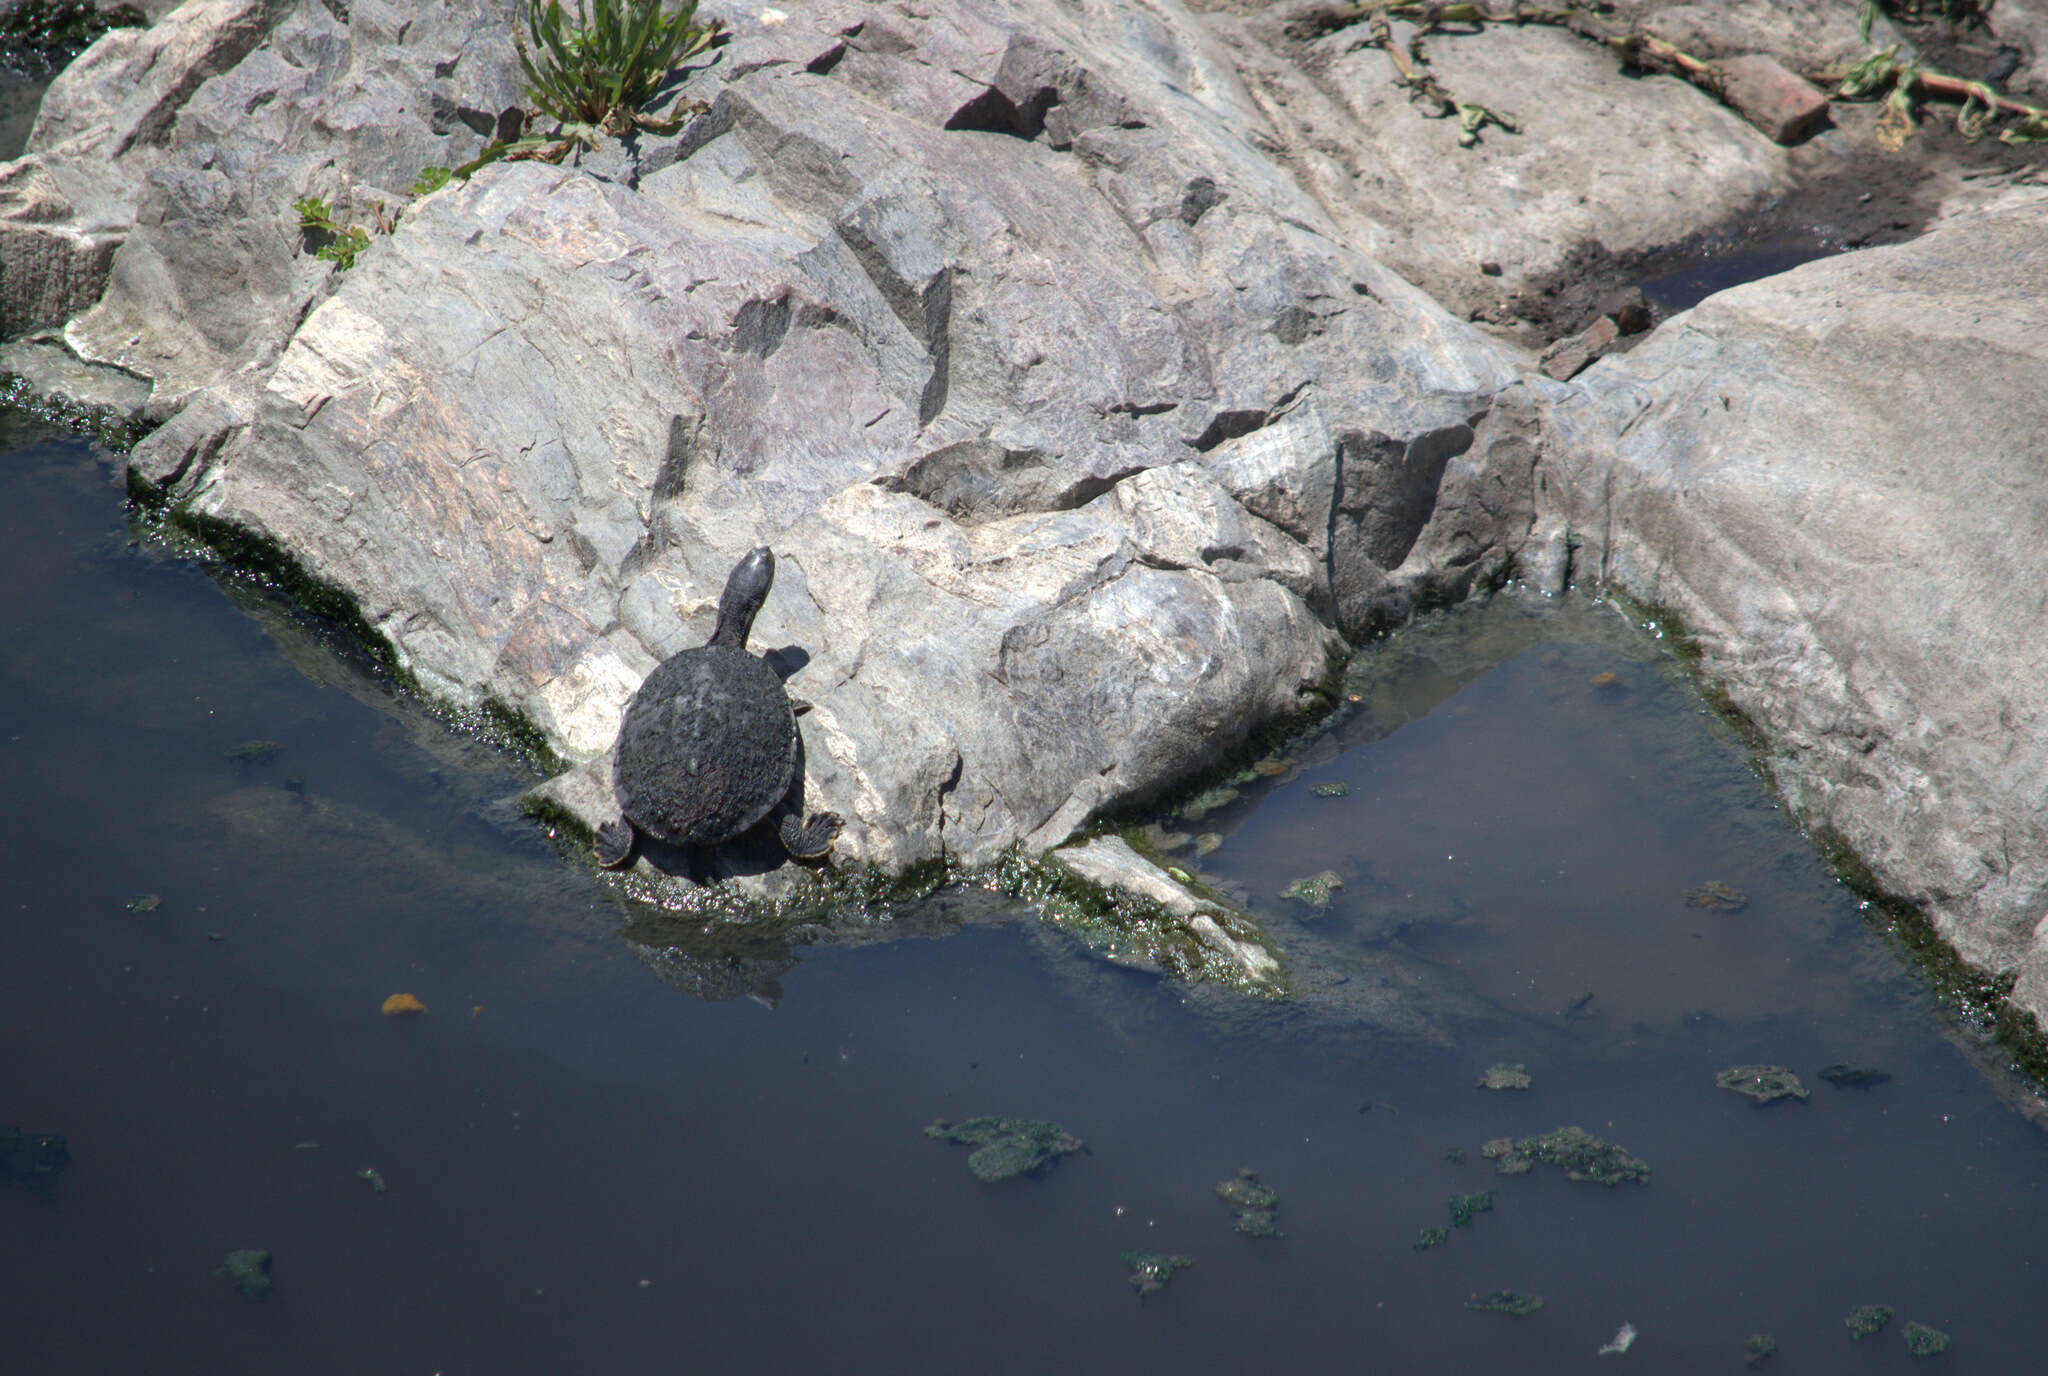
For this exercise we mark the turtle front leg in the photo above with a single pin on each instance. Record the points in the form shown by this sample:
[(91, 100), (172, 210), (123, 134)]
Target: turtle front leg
[(614, 843), (808, 839)]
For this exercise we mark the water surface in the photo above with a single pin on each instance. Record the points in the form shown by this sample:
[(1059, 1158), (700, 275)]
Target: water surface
[(589, 1170)]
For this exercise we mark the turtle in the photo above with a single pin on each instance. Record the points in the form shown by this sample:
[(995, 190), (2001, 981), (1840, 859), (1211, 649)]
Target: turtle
[(708, 745)]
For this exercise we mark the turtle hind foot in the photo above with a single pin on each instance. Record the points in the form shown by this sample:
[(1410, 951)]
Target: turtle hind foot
[(809, 840), (614, 843)]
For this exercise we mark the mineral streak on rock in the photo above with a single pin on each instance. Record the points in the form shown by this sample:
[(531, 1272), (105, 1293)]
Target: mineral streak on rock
[(1763, 1083), (1007, 1146)]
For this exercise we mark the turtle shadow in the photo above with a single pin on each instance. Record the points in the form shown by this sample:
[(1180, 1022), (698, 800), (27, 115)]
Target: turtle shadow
[(757, 850), (786, 661)]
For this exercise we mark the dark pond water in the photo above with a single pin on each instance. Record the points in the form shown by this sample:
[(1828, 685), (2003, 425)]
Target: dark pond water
[(589, 1170)]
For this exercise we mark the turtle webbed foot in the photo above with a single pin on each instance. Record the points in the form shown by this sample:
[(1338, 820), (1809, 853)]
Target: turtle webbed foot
[(809, 840), (614, 843)]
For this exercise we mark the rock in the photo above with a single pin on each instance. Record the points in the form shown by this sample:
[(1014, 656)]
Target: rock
[(1605, 163), (1628, 308), (1109, 862), (1834, 479), (1070, 460), (1786, 108)]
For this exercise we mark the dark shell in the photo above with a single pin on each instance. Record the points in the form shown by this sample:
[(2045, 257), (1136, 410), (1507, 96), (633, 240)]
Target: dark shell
[(707, 747)]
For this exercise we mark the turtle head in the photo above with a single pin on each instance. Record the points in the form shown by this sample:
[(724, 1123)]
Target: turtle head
[(745, 590)]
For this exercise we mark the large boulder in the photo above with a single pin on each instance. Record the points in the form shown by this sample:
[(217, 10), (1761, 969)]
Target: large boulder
[(1838, 479), (1077, 427)]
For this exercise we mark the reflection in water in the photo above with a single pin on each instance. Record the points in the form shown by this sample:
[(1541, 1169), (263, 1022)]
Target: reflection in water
[(563, 1166)]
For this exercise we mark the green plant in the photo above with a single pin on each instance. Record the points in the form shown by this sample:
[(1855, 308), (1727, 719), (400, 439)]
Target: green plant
[(431, 179), (604, 69), (339, 243)]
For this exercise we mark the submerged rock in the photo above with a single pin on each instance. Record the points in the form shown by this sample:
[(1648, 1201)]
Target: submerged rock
[(1008, 1146), (1716, 897), (1253, 1202), (1505, 1076), (1853, 1076), (1763, 1083), (1867, 1319), (1151, 1270), (1314, 890), (249, 1269)]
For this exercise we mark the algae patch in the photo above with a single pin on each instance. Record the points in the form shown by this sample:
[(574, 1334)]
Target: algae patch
[(1583, 1156), (1923, 1341), (1151, 1270), (1505, 1076), (1505, 1302), (1007, 1146), (249, 1269), (1763, 1083), (1867, 1319), (1253, 1202)]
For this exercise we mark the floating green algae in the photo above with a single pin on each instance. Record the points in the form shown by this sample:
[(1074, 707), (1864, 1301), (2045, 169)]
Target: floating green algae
[(1853, 1076), (1203, 804), (1432, 1236), (1253, 1202), (1151, 1270), (1583, 1156), (1315, 889), (1763, 1083), (1866, 1319), (1338, 789), (1505, 1076), (249, 1269), (1923, 1341), (1505, 1302), (1759, 1348), (1466, 1207), (1008, 1146)]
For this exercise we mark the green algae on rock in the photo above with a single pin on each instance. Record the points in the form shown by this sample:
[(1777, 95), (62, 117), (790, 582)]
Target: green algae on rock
[(1253, 1202), (1151, 1270), (1315, 889), (1008, 1146), (1583, 1156), (1866, 1319), (1505, 1076), (249, 1269), (1923, 1341), (1763, 1083), (1505, 1302)]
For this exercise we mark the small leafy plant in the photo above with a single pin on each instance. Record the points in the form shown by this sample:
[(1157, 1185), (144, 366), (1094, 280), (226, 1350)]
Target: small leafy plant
[(339, 244), (603, 70)]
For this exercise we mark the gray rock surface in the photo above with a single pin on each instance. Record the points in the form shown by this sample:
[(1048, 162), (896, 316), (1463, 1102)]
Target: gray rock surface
[(1070, 458), (1839, 479), (1605, 163)]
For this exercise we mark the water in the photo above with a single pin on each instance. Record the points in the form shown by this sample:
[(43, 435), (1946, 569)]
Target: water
[(588, 1170)]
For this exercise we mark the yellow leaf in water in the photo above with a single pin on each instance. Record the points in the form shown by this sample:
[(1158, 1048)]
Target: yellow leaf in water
[(399, 1004)]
